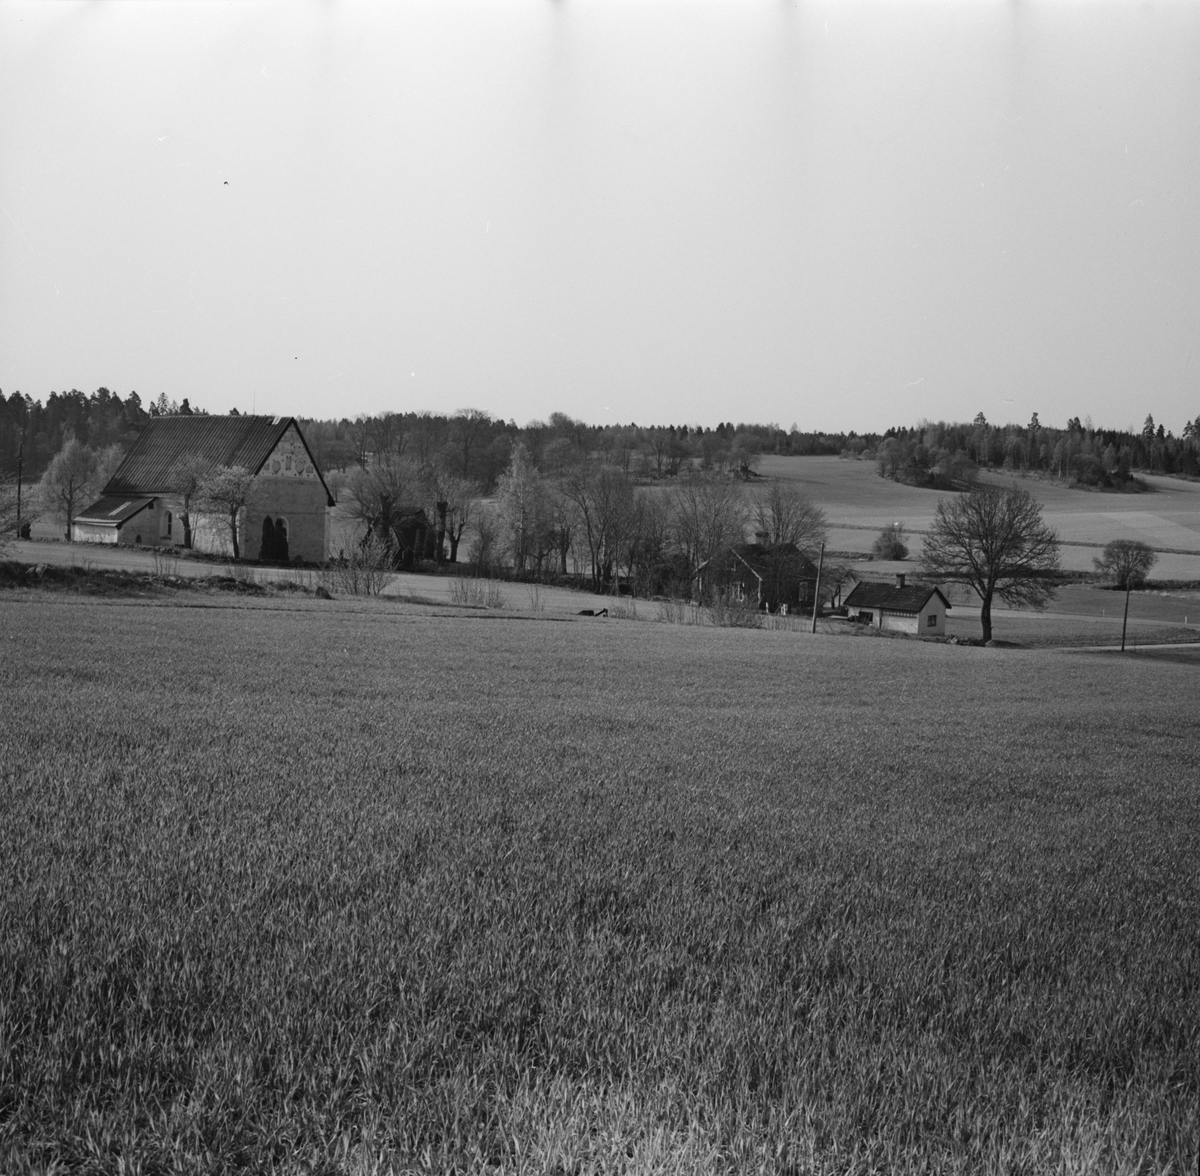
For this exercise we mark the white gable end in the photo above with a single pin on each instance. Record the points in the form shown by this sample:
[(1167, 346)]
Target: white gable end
[(289, 458)]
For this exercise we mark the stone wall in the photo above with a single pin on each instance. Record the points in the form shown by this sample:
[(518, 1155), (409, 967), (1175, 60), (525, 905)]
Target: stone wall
[(301, 502)]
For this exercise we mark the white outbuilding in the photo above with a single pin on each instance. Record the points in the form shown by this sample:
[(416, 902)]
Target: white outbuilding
[(919, 609)]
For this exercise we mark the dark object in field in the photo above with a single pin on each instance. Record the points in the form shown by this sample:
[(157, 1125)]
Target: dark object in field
[(323, 593), (593, 612)]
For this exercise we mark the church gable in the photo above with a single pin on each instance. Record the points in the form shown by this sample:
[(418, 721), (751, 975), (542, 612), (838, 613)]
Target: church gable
[(290, 458)]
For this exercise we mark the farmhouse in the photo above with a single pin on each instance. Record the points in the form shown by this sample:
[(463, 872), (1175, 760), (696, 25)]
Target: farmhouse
[(288, 511), (919, 608), (764, 575)]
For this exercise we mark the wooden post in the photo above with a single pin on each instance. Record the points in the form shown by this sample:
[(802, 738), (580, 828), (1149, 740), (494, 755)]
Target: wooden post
[(1125, 619), (817, 593)]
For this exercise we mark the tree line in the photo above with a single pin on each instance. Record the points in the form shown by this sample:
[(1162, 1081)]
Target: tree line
[(478, 446), (949, 456), (471, 441), (573, 514)]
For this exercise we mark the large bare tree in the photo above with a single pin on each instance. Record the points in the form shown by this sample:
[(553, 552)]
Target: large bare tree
[(376, 496), (451, 498), (606, 509), (708, 515), (996, 542)]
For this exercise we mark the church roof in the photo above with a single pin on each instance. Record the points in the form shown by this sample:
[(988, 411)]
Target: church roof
[(245, 441)]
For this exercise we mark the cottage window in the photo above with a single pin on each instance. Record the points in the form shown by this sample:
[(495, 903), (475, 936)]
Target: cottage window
[(931, 621)]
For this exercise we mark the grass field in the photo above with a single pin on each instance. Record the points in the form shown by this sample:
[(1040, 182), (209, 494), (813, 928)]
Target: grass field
[(858, 503), (362, 888)]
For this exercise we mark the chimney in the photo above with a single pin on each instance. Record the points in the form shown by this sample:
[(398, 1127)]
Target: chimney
[(899, 579)]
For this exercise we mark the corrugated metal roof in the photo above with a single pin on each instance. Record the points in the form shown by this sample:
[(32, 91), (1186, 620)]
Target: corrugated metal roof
[(223, 440), (112, 509), (245, 441), (909, 599)]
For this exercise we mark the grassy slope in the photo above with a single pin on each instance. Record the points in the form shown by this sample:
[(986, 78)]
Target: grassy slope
[(854, 496), (299, 888)]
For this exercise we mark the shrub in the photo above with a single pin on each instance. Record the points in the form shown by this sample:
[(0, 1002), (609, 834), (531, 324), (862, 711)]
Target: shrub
[(477, 592), (366, 571), (889, 544)]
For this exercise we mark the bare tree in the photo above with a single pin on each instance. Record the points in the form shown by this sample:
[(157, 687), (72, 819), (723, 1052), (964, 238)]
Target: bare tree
[(660, 445), (227, 491), (708, 515), (359, 432), (388, 433), (524, 511), (185, 479), (377, 496), (1127, 562), (469, 426), (452, 499), (606, 508), (647, 547), (70, 478), (785, 514), (996, 542), (487, 540)]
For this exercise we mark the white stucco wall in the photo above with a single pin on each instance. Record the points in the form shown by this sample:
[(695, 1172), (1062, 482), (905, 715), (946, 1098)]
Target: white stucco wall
[(92, 533), (908, 623)]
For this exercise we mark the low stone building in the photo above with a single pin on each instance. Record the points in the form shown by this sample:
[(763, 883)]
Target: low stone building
[(288, 512), (899, 607)]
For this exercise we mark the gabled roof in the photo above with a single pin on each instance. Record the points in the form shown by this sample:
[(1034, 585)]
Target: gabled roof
[(245, 441), (762, 559), (912, 598), (112, 510)]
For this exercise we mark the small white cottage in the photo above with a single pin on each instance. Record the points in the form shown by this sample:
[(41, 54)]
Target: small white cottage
[(918, 608)]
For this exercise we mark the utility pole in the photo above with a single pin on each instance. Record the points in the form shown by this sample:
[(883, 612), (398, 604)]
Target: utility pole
[(817, 593), (1125, 619)]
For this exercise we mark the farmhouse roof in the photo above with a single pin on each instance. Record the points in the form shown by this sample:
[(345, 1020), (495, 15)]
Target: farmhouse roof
[(245, 441), (761, 558), (911, 598), (113, 509)]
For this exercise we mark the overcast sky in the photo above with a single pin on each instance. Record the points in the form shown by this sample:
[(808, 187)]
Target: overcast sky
[(843, 215)]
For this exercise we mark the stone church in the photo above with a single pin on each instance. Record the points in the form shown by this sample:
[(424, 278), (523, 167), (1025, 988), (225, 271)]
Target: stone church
[(286, 517)]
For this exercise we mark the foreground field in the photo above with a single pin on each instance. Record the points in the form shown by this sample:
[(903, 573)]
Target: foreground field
[(359, 888)]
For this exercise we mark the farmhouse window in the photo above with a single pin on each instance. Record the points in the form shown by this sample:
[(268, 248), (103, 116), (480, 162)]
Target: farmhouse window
[(931, 621)]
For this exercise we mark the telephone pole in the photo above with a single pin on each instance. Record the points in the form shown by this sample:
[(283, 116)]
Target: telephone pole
[(817, 593)]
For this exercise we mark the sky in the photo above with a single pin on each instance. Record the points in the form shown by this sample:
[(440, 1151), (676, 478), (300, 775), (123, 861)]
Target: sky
[(835, 215)]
